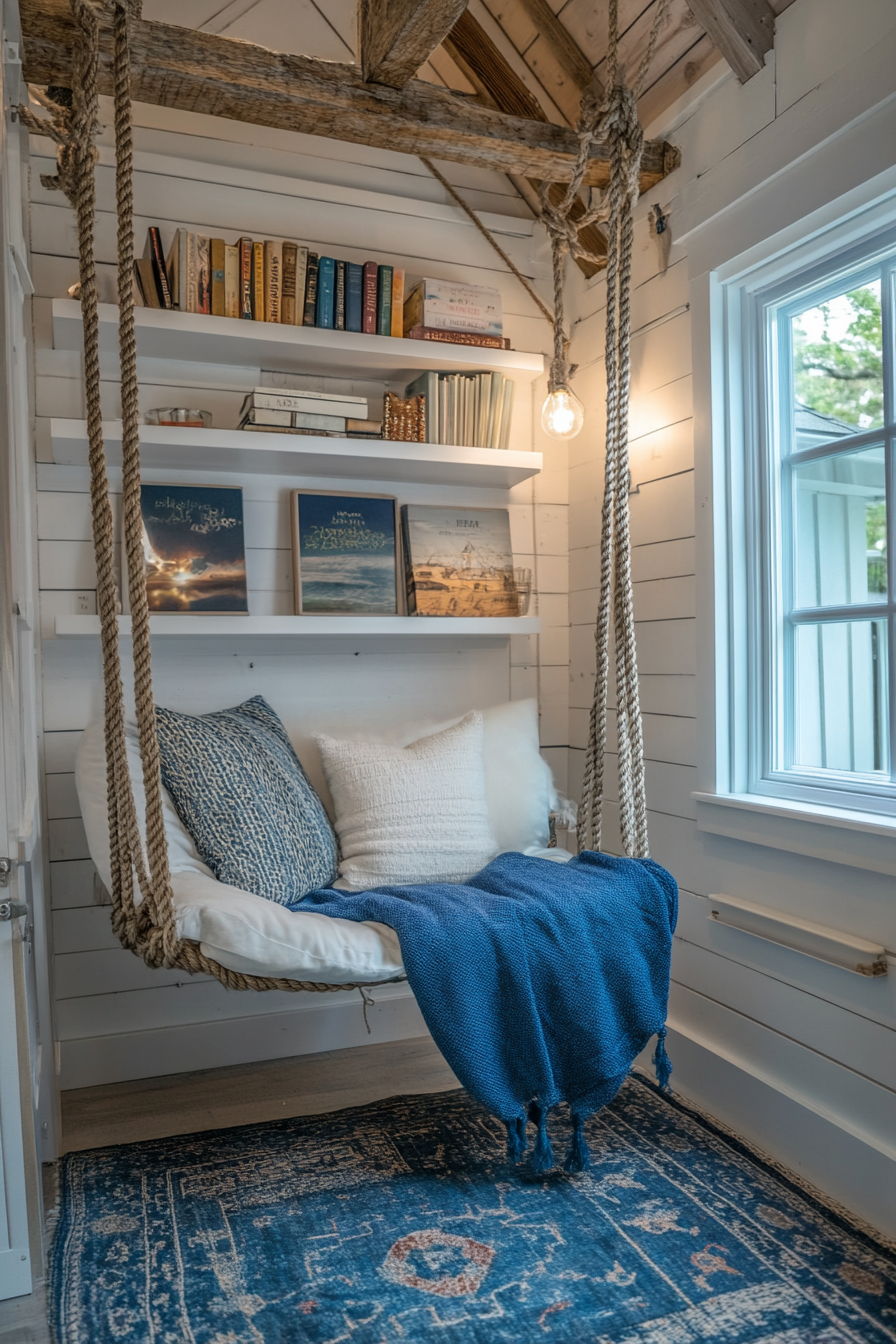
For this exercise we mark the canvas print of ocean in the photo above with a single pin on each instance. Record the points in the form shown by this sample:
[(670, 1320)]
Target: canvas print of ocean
[(345, 552), (194, 548), (459, 562)]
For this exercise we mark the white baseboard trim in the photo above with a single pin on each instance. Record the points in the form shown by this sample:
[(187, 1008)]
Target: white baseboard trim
[(310, 1029), (853, 1173)]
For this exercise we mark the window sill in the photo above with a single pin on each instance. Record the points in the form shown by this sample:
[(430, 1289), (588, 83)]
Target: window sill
[(856, 839)]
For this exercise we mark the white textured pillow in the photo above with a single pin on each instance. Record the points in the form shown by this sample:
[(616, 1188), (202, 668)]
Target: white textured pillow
[(410, 814)]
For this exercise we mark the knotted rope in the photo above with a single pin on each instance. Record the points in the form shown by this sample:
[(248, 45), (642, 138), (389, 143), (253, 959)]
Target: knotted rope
[(612, 118), (147, 928)]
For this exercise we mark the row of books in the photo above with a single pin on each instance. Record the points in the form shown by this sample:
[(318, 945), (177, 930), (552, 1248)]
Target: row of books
[(320, 413), (472, 410), (284, 282)]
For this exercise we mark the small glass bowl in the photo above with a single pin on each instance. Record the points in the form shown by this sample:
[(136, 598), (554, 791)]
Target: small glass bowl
[(177, 415)]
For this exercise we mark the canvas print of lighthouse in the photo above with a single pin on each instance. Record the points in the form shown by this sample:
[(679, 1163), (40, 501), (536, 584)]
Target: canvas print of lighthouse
[(194, 548), (345, 554), (458, 562)]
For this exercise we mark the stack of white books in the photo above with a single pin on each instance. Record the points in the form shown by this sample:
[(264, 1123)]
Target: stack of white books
[(471, 410), (337, 414)]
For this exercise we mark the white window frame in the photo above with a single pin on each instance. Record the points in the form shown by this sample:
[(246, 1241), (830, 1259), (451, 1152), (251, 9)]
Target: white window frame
[(733, 797)]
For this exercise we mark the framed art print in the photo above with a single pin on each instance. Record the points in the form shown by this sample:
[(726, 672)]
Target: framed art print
[(194, 549), (345, 553)]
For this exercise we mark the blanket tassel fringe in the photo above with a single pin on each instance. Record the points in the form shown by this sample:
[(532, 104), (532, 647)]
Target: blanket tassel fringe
[(543, 1153), (661, 1061)]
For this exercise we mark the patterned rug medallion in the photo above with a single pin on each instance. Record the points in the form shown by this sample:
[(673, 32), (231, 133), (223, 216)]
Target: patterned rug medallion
[(402, 1222)]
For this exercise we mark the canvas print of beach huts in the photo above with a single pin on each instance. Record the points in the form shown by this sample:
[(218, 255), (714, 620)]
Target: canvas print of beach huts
[(194, 548), (458, 562), (344, 553)]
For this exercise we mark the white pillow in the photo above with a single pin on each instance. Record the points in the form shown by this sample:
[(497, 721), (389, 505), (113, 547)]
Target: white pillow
[(90, 782), (410, 814)]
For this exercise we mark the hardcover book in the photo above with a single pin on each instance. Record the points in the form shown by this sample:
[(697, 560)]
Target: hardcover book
[(216, 261), (192, 276), (194, 547), (339, 298), (458, 561), (384, 301), (326, 293), (457, 307), (310, 312), (231, 281), (153, 253), (245, 247), (146, 281), (203, 274), (368, 312), (273, 279), (345, 553), (258, 288), (397, 328), (176, 266), (301, 277), (354, 295), (327, 403), (288, 294), (479, 338)]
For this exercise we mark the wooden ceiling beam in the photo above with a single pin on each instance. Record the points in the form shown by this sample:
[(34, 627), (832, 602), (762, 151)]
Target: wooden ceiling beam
[(224, 77), (395, 37), (743, 31), (498, 84)]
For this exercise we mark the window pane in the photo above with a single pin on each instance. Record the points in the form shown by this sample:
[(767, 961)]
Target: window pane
[(837, 366), (840, 696), (840, 519)]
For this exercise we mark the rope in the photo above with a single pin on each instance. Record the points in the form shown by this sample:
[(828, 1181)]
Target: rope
[(614, 119), (490, 238)]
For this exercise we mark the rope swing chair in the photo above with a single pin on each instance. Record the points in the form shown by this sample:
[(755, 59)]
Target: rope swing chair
[(148, 928)]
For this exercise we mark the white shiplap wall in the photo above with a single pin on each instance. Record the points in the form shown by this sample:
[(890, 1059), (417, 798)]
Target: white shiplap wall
[(797, 1055), (114, 1019)]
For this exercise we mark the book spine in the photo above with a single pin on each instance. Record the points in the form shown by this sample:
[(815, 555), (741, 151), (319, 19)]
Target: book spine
[(368, 313), (397, 319), (339, 297), (273, 279), (231, 281), (345, 406), (254, 416), (384, 301), (354, 296), (459, 322), (301, 277), (326, 292), (191, 288), (304, 420), (310, 310), (479, 338), (203, 274), (257, 282), (172, 267), (408, 567), (183, 259), (216, 259), (245, 247), (157, 256), (288, 296)]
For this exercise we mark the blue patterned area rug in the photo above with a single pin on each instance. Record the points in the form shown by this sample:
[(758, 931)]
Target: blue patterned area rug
[(402, 1222)]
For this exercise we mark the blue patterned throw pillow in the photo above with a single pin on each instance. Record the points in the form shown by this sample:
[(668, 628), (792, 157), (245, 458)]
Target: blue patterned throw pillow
[(243, 796)]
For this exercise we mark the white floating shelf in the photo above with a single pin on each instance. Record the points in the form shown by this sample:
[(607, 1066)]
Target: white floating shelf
[(179, 448), (175, 626), (201, 339)]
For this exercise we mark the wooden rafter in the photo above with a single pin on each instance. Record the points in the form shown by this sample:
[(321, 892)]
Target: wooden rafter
[(224, 77), (395, 37), (743, 31), (471, 48)]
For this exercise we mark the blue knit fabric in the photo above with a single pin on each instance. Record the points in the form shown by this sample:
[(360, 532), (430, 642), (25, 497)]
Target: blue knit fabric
[(539, 981)]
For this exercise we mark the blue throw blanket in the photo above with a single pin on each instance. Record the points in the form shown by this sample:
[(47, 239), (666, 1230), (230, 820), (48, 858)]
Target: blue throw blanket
[(539, 981)]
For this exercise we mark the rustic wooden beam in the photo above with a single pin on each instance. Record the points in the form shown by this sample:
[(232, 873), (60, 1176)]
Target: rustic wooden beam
[(470, 46), (743, 31), (566, 50), (222, 76), (395, 37)]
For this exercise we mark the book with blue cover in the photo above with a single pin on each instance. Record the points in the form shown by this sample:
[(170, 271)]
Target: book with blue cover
[(354, 295), (325, 315)]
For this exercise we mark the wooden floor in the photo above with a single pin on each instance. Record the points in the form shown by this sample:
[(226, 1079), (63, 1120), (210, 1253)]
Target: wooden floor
[(185, 1103)]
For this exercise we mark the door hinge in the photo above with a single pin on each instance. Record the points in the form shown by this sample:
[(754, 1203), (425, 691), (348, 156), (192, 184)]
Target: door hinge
[(6, 866), (12, 910)]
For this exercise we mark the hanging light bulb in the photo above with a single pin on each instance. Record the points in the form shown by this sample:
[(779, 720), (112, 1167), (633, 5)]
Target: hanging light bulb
[(562, 414)]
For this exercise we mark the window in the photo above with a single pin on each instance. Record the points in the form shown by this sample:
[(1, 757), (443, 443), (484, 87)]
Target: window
[(822, 584)]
